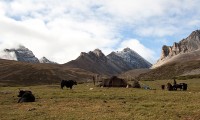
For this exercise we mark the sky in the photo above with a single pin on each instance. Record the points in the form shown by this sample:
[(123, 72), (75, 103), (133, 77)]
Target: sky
[(61, 29)]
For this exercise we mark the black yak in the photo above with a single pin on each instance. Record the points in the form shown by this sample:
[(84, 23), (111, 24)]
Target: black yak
[(181, 86), (26, 96), (68, 83)]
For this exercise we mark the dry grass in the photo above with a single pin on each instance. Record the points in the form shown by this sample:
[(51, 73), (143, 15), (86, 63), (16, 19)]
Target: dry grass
[(103, 103)]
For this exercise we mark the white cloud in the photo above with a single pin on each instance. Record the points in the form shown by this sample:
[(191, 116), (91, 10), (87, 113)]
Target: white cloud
[(60, 40), (61, 29)]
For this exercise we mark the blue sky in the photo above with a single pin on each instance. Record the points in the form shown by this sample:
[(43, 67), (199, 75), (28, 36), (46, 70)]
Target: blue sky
[(61, 29)]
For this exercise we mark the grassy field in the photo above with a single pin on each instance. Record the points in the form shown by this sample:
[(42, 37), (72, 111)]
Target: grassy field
[(82, 103)]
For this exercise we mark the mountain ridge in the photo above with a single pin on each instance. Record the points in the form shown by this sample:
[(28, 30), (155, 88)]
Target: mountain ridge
[(112, 64)]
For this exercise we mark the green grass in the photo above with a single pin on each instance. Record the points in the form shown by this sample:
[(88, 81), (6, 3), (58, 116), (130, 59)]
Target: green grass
[(81, 103)]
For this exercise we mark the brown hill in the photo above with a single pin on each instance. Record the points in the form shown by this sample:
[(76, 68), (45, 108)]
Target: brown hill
[(173, 69), (22, 73)]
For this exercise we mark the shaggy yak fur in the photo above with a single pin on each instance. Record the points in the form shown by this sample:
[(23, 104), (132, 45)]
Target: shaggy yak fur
[(68, 83), (26, 96)]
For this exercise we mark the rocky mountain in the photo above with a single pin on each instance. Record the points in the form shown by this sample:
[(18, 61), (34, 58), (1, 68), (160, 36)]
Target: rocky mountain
[(23, 54), (94, 61), (187, 49), (19, 54), (114, 63), (128, 59)]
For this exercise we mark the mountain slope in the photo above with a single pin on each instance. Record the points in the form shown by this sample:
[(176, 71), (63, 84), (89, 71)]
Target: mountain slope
[(173, 69), (23, 73), (94, 61)]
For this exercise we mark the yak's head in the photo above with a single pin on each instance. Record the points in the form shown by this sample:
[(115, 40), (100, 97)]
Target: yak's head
[(21, 92)]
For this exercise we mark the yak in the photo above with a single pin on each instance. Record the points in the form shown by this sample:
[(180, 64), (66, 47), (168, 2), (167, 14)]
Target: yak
[(26, 96), (68, 83), (181, 86)]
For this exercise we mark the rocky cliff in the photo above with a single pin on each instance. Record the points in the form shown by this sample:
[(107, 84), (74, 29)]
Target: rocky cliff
[(187, 46)]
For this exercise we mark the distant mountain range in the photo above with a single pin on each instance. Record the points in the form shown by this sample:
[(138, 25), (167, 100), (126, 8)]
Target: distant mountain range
[(114, 63), (94, 61)]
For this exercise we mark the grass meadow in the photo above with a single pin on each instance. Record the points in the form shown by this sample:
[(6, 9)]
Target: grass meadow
[(87, 102)]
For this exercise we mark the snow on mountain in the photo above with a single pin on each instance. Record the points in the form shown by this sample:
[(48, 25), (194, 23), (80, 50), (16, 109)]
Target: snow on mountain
[(20, 53), (23, 54), (129, 58)]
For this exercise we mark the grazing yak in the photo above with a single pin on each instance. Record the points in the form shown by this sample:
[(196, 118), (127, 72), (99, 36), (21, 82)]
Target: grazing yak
[(68, 83), (26, 96)]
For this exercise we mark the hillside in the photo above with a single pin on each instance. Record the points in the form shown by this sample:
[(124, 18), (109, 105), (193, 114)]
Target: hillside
[(22, 73), (173, 69)]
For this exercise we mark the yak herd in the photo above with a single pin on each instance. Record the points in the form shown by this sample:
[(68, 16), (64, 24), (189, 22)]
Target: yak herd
[(175, 86), (27, 96)]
